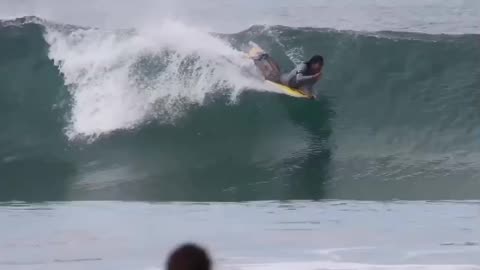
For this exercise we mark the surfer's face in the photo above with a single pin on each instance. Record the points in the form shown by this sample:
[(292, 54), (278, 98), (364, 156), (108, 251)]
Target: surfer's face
[(316, 67)]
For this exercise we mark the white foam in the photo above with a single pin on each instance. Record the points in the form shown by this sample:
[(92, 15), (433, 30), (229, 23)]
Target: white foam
[(330, 265), (111, 90)]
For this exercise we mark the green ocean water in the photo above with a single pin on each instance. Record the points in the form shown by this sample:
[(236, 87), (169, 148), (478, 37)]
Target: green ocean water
[(397, 118)]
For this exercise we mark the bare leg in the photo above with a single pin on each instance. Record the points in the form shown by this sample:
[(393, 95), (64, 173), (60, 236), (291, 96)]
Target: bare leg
[(268, 67)]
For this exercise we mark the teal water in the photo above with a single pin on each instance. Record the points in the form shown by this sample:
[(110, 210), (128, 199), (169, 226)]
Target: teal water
[(142, 119)]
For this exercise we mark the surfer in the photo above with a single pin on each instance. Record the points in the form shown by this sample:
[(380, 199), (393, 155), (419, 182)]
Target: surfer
[(303, 77)]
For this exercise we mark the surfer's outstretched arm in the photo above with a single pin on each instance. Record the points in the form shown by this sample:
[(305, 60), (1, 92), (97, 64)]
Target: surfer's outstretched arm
[(297, 78), (300, 77)]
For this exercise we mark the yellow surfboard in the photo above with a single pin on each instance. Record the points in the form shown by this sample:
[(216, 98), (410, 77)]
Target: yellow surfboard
[(289, 91), (255, 51)]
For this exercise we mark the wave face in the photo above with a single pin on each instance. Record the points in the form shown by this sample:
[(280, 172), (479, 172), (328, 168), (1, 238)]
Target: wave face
[(174, 113)]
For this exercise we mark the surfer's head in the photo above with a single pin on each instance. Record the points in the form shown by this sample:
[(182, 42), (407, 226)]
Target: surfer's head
[(189, 257), (315, 63)]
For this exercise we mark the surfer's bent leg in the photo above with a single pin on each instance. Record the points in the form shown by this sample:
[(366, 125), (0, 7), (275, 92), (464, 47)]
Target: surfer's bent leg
[(269, 68)]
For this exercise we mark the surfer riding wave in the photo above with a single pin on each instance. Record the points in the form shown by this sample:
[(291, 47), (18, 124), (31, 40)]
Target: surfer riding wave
[(303, 77)]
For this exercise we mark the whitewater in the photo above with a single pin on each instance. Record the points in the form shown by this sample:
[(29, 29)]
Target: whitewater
[(103, 70)]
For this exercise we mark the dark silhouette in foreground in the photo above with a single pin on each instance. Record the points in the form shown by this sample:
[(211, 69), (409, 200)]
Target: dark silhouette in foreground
[(189, 257)]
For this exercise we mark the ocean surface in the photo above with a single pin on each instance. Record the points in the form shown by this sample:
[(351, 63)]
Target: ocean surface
[(253, 236), (112, 113)]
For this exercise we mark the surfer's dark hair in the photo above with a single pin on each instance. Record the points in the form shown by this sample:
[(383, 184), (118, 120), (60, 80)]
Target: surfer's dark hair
[(316, 59), (189, 256)]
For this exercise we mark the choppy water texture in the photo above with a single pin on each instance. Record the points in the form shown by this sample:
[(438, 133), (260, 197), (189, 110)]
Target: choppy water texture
[(337, 235), (174, 113)]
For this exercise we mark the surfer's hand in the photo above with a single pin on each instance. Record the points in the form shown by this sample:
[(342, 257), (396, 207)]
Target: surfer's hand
[(317, 76)]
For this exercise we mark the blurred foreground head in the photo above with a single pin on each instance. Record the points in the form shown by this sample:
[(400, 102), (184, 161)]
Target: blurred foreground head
[(189, 257)]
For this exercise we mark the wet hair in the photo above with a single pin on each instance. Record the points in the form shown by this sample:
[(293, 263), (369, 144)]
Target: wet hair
[(189, 257), (314, 60)]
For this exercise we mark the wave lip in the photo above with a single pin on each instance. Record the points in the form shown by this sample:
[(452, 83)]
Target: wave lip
[(121, 79)]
